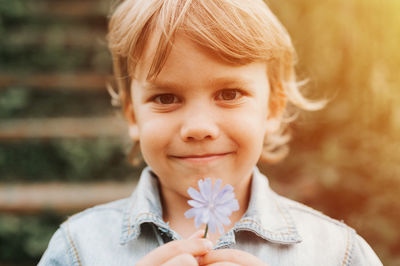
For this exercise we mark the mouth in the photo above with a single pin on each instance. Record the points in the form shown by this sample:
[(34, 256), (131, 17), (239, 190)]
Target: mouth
[(202, 158)]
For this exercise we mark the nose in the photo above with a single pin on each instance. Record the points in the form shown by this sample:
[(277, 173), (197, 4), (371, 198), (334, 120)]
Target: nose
[(199, 125)]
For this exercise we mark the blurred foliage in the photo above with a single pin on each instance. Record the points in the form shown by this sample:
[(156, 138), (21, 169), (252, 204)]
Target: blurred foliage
[(42, 37), (344, 160), (19, 102), (65, 160), (350, 151), (23, 238)]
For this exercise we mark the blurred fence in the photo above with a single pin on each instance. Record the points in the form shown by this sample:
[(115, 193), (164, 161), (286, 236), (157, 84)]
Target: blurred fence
[(54, 66), (63, 148)]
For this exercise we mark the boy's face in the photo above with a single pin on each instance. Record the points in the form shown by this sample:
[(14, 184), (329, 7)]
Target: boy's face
[(200, 117)]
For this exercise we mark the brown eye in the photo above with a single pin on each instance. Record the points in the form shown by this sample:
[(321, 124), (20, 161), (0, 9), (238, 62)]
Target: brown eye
[(229, 95), (165, 99)]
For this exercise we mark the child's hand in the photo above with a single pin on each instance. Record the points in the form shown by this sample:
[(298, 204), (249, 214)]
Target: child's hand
[(229, 257), (178, 252)]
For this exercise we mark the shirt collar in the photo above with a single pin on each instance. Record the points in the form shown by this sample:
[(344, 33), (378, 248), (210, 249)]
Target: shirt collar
[(144, 206), (266, 216)]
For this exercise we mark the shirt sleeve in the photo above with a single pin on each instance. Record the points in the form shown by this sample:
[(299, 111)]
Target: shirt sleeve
[(58, 251), (363, 254)]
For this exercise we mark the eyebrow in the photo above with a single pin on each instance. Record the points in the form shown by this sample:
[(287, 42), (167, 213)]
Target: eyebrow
[(217, 82), (230, 81)]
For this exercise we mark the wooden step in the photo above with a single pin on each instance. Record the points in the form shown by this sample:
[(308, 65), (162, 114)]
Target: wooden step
[(59, 197), (60, 8), (74, 8), (64, 36), (47, 81), (88, 127)]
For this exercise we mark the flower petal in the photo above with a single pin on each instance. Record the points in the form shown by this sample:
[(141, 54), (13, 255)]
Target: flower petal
[(197, 221), (234, 205), (222, 218), (225, 193), (224, 210), (226, 199), (212, 224), (212, 205), (227, 188), (199, 215), (190, 213), (216, 189), (196, 204), (228, 207), (206, 189), (205, 215), (194, 194)]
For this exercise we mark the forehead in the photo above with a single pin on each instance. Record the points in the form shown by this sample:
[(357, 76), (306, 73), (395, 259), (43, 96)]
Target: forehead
[(186, 57)]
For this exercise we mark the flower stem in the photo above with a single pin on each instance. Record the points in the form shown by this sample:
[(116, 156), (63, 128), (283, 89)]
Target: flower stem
[(205, 233)]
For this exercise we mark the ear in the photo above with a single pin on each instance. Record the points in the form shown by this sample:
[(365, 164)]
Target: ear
[(130, 117), (134, 132)]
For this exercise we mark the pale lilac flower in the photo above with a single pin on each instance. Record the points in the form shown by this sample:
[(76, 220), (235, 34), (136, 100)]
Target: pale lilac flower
[(211, 205)]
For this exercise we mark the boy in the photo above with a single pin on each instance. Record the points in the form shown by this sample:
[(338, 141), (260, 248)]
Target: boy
[(204, 85)]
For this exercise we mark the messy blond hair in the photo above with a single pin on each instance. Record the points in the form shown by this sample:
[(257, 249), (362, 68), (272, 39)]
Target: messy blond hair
[(239, 31)]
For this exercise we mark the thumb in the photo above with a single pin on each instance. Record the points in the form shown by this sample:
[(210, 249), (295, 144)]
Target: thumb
[(198, 234)]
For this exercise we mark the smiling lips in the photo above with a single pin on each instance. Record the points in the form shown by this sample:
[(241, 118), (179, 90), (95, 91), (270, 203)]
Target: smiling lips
[(202, 158)]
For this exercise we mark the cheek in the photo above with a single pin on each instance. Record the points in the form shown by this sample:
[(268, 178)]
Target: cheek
[(248, 128), (155, 134)]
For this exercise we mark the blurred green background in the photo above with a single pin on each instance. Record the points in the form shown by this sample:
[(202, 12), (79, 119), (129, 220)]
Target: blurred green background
[(344, 160)]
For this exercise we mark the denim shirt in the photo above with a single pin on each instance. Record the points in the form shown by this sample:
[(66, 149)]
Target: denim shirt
[(275, 229)]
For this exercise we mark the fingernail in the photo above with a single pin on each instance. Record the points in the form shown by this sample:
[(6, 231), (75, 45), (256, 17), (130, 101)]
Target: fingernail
[(198, 234), (208, 244)]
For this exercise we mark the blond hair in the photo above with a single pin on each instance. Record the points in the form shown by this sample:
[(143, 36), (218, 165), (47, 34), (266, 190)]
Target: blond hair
[(239, 31)]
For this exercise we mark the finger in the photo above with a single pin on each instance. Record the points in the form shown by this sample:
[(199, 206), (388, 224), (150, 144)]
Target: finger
[(183, 259), (194, 247), (224, 264), (198, 234), (229, 255)]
